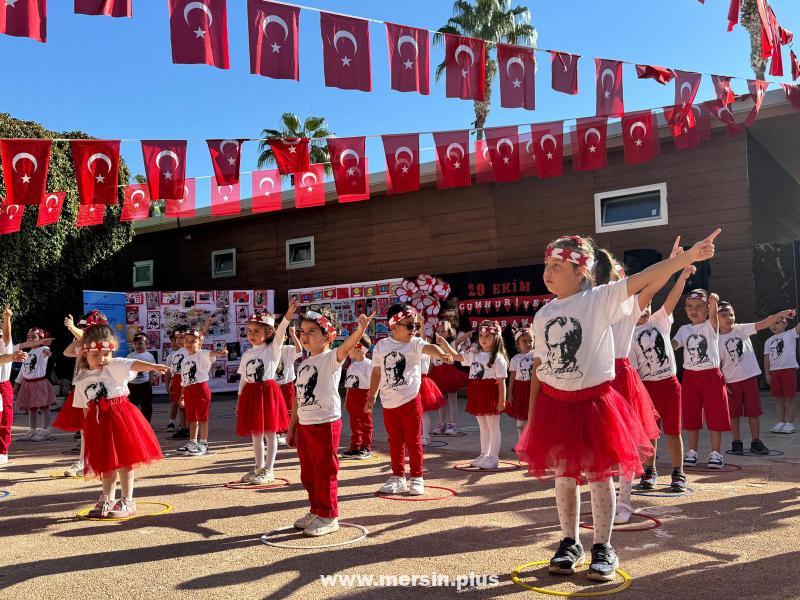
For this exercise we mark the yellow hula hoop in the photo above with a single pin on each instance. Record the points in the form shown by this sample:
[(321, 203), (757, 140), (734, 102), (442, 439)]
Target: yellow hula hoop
[(627, 581), (164, 510)]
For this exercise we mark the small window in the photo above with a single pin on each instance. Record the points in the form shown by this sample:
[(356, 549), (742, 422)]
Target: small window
[(300, 253), (631, 208), (223, 263), (142, 273)]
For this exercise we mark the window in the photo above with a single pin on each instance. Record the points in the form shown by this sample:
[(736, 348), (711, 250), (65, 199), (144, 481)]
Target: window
[(223, 263), (632, 208), (142, 273), (300, 253)]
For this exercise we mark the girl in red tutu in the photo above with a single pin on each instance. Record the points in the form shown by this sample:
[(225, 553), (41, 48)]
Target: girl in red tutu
[(260, 407), (285, 375), (519, 379), (430, 394), (118, 438), (581, 427), (33, 391), (357, 383), (449, 379)]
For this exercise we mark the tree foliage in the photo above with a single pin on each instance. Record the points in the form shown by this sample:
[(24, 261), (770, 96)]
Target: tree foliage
[(292, 126)]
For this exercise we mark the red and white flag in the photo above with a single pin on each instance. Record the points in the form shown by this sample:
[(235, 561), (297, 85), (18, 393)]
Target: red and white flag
[(702, 120), (136, 203), (11, 218), (108, 8), (96, 164), (757, 90), (661, 74), (795, 65), (165, 167), (409, 58), (465, 67), (527, 157), (792, 92), (267, 192), (185, 207), (685, 132), (733, 13), (274, 37), (226, 156), (638, 137), (349, 164), (309, 187), (548, 148), (24, 18), (565, 72), (723, 114), (503, 152), (686, 86), (452, 159), (225, 198), (589, 144), (517, 67), (402, 163), (483, 162), (90, 215), (291, 154), (25, 165), (50, 208), (608, 74), (345, 52), (722, 86), (199, 32)]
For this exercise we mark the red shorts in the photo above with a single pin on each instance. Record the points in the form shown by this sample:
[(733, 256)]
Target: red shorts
[(197, 402), (666, 397), (784, 383), (744, 399), (174, 388), (704, 393)]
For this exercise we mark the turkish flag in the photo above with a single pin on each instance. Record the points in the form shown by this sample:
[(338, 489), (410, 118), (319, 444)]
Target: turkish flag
[(345, 52), (25, 165), (402, 163), (795, 65), (108, 8), (722, 86), (409, 58), (792, 94), (349, 164), (702, 120), (225, 198), (565, 71), (685, 132), (638, 137), (96, 164), (24, 18), (503, 152), (517, 67), (183, 208), (226, 156), (11, 218), (686, 86), (273, 39), (733, 13), (723, 114), (90, 214), (661, 74), (50, 208), (165, 167), (483, 162), (548, 148), (199, 32), (757, 90), (309, 187), (452, 159), (291, 154), (527, 157), (266, 191), (136, 203), (465, 67), (589, 144), (608, 74)]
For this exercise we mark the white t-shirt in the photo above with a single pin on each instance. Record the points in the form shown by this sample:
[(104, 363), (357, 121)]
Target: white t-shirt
[(196, 367), (737, 357), (782, 350), (701, 346), (651, 350), (174, 360), (260, 363), (5, 370), (478, 363), (285, 372), (520, 365), (35, 366), (109, 382), (141, 376), (425, 364), (573, 336), (317, 385), (623, 329), (358, 374), (401, 374)]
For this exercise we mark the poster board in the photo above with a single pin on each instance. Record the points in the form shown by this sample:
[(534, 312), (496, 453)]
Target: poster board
[(112, 305)]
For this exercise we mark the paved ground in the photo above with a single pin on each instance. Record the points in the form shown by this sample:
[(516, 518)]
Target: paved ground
[(737, 536)]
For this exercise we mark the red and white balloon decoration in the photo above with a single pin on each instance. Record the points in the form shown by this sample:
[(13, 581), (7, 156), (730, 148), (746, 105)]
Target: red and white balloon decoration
[(425, 293)]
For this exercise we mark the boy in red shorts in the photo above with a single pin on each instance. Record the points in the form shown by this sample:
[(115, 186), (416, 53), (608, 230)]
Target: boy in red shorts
[(780, 364)]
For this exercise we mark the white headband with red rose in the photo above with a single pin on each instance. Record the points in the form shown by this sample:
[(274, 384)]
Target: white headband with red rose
[(320, 320), (407, 313), (99, 347), (575, 256), (492, 328)]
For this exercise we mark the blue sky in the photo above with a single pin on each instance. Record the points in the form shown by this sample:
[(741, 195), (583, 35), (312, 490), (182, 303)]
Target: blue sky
[(114, 78)]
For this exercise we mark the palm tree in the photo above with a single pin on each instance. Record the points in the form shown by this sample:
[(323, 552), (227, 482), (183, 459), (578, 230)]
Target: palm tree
[(314, 128), (751, 21), (493, 21)]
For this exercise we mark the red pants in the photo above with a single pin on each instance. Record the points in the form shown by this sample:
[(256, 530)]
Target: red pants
[(403, 425), (317, 447), (703, 393), (360, 421), (784, 383), (7, 416)]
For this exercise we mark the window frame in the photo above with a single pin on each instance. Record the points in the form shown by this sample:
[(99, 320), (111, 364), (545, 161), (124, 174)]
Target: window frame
[(214, 254), (305, 264), (142, 263), (662, 219)]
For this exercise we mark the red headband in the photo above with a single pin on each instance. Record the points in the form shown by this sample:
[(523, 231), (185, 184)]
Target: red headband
[(575, 256), (520, 332), (494, 328), (99, 347), (262, 318), (140, 336), (697, 295), (195, 332), (321, 320), (407, 313)]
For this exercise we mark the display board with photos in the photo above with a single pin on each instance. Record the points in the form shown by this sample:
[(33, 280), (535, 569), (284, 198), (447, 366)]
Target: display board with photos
[(224, 314)]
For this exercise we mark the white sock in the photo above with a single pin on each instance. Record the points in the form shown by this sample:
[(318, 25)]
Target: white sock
[(483, 427), (568, 501), (271, 450), (259, 450), (495, 437), (625, 490), (603, 508)]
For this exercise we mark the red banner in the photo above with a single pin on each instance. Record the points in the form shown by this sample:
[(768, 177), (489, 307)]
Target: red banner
[(548, 148), (199, 32), (291, 154), (565, 72), (402, 163), (639, 138), (409, 58), (349, 164), (309, 187), (661, 74), (24, 18), (50, 208), (96, 164), (685, 133), (503, 146), (686, 86), (25, 165), (165, 167), (183, 208), (527, 157), (517, 68), (225, 198), (722, 86), (273, 30), (11, 218), (136, 203), (90, 215), (608, 75), (589, 144), (452, 159), (345, 52), (226, 156), (465, 68), (108, 8), (266, 191), (757, 91)]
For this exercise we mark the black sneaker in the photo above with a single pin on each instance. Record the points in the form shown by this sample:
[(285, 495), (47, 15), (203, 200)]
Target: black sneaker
[(77, 435), (365, 453), (758, 447), (351, 453), (678, 485), (171, 427), (649, 479), (181, 434), (604, 563), (737, 447), (568, 556)]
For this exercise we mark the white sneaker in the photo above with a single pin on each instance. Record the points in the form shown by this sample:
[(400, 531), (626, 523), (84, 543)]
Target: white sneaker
[(322, 526), (249, 476), (395, 485), (439, 429), (189, 447), (3, 459), (263, 477), (281, 440), (426, 441), (788, 428), (417, 487), (42, 435), (778, 427), (477, 461), (31, 433), (690, 459), (74, 470), (451, 429), (490, 463), (304, 521), (715, 460), (624, 512)]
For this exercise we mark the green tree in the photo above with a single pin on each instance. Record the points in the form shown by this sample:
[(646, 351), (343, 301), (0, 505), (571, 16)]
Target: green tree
[(493, 21), (291, 126)]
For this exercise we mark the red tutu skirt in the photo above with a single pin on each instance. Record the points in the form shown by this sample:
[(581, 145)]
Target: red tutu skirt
[(288, 391), (587, 435), (482, 397), (630, 386), (448, 378), (35, 393), (117, 437), (261, 409), (69, 418), (174, 388), (432, 396), (520, 400)]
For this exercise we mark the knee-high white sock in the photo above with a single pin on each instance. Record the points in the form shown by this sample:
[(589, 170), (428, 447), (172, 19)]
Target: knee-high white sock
[(495, 439), (426, 425), (452, 407), (126, 483), (483, 427), (259, 450), (603, 508), (271, 439), (568, 501), (625, 490)]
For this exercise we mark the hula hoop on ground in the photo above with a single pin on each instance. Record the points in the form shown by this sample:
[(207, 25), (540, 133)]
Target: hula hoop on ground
[(238, 485), (61, 475), (265, 538), (751, 455), (654, 525), (164, 510), (397, 498), (170, 455), (627, 581), (660, 492), (439, 444), (4, 494), (456, 434), (724, 469), (470, 469)]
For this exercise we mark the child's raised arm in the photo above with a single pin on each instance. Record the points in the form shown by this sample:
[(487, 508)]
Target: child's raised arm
[(355, 337), (7, 324), (675, 293), (777, 318), (141, 365)]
